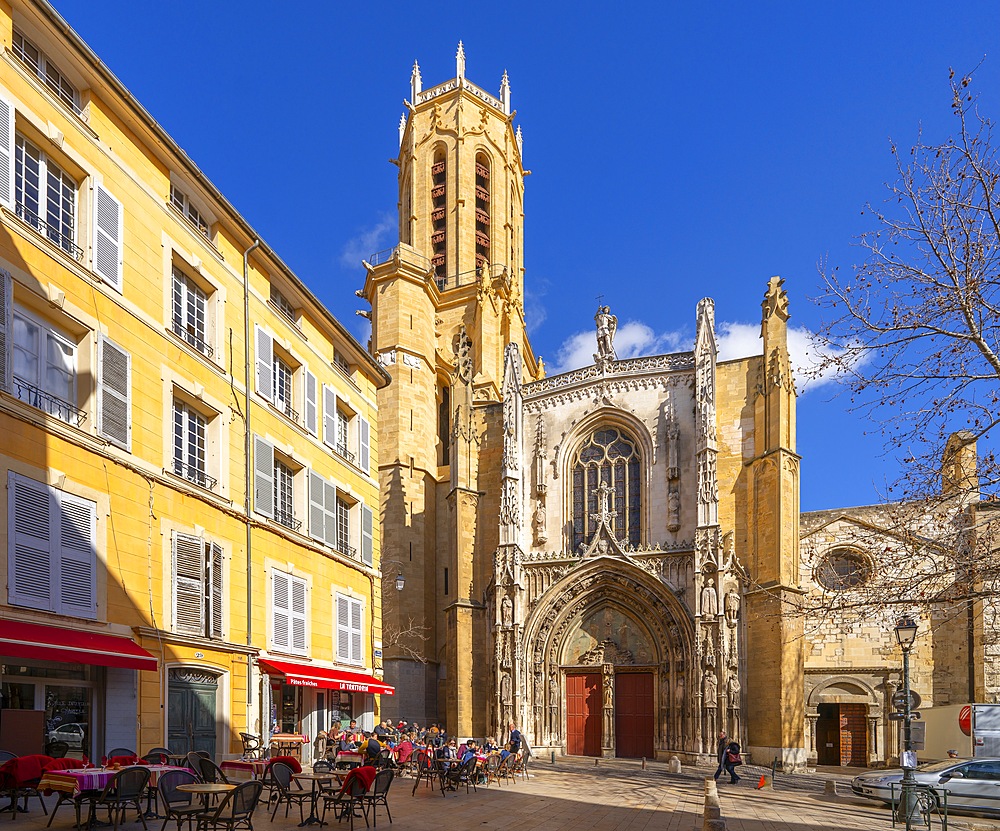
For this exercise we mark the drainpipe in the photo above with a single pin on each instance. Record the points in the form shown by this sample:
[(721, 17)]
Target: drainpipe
[(248, 479)]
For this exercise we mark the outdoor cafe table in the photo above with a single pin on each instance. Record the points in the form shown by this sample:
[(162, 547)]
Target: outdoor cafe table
[(288, 742), (315, 778), (237, 770), (206, 789), (349, 757)]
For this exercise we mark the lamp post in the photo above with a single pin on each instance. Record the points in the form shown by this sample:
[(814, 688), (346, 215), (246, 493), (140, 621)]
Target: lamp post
[(400, 581), (906, 633)]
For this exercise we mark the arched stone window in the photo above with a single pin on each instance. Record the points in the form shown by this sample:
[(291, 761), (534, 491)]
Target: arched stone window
[(482, 210), (843, 568), (608, 455), (439, 222)]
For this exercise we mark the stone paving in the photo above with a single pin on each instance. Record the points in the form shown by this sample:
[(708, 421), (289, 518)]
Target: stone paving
[(618, 795)]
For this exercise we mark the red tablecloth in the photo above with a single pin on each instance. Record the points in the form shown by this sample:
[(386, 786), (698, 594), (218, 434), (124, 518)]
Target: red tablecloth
[(240, 771), (91, 779)]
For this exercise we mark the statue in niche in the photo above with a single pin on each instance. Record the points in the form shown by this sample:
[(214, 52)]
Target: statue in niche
[(674, 510), (709, 650), (732, 603), (538, 523), (679, 692), (734, 691), (709, 599), (506, 612), (609, 690), (673, 440), (607, 325), (539, 690), (710, 689), (463, 354), (505, 689)]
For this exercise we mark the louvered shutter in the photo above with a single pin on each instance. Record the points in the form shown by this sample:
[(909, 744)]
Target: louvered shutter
[(77, 561), (356, 631), (263, 476), (216, 571), (265, 363), (329, 416), (6, 327), (317, 507), (298, 614), (114, 391), (189, 584), (330, 508), (108, 230), (364, 445), (29, 543), (6, 153), (367, 534), (311, 404), (280, 611), (343, 628)]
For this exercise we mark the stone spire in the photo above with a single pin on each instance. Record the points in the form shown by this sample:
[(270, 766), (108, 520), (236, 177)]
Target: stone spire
[(460, 61), (402, 128), (520, 140), (416, 83), (505, 93)]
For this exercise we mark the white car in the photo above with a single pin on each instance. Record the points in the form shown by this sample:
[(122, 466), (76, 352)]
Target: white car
[(968, 784), (73, 734)]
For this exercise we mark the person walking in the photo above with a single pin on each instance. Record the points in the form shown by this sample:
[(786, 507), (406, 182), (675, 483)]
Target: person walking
[(720, 752), (732, 759)]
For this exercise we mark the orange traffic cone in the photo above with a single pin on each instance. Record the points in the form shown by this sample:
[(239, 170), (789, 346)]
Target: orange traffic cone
[(762, 783)]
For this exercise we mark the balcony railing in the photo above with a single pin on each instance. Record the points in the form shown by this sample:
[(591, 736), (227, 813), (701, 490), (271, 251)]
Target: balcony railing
[(288, 520), (341, 450), (51, 404), (50, 232), (190, 335), (194, 474), (286, 408), (347, 550)]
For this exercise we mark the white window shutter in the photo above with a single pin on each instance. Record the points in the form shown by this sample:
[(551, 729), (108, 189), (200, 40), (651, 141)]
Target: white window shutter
[(367, 534), (108, 231), (343, 628), (311, 406), (329, 416), (356, 636), (263, 476), (265, 363), (330, 501), (29, 543), (364, 445), (6, 153), (114, 392), (216, 572), (189, 583), (6, 328), (77, 563), (317, 507), (298, 614), (281, 608)]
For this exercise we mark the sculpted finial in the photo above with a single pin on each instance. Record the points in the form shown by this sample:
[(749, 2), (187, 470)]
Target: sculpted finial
[(416, 82), (460, 61), (775, 299), (505, 93)]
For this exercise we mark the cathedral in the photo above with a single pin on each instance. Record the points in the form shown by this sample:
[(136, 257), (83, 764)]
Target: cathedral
[(607, 557)]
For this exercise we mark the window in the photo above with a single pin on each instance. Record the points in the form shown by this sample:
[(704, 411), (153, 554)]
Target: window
[(45, 196), (190, 440), (608, 456), (283, 388), (284, 496), (180, 200), (843, 568), (198, 585), (44, 364), (282, 304), (189, 312), (439, 221), (40, 65), (51, 549), (482, 210), (344, 528), (341, 363), (350, 639), (340, 445), (289, 603), (276, 375)]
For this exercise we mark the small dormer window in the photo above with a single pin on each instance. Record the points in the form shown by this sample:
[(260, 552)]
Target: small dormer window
[(39, 63), (341, 363), (182, 202), (282, 304)]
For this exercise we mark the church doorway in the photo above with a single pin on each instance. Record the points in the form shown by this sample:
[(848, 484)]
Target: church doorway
[(634, 725), (842, 735), (583, 714)]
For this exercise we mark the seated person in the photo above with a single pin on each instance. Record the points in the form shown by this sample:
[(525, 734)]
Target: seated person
[(471, 751), (490, 745), (372, 748)]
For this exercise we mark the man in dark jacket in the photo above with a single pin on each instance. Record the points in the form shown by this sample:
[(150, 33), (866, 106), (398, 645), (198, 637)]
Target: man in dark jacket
[(720, 752)]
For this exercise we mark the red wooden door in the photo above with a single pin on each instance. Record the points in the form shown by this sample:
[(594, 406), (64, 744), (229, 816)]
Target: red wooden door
[(853, 735), (583, 714), (634, 722)]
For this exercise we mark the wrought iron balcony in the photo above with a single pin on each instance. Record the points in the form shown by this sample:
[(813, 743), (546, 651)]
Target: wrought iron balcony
[(194, 474), (286, 408), (347, 550), (190, 335), (51, 404), (342, 451), (287, 519), (50, 232)]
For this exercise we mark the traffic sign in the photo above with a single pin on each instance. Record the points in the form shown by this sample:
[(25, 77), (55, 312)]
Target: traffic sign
[(899, 700)]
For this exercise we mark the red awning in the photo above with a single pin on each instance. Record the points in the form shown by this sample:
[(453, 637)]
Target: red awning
[(71, 646), (306, 675)]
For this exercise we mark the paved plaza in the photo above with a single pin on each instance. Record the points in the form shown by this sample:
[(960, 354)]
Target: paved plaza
[(572, 795)]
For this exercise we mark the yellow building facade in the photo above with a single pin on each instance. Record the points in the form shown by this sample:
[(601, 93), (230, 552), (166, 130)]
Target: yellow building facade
[(190, 445)]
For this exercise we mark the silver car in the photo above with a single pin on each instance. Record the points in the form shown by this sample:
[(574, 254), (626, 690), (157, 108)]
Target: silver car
[(970, 784)]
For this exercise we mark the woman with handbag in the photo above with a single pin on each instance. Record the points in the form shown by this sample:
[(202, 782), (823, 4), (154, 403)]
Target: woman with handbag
[(731, 760)]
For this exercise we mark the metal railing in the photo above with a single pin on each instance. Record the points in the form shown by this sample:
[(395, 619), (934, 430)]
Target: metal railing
[(190, 335), (341, 450), (286, 408), (53, 405), (288, 520), (50, 232), (474, 275), (194, 474), (346, 549)]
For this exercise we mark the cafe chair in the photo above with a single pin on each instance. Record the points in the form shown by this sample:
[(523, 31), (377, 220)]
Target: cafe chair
[(377, 795), (57, 749), (322, 766), (19, 780), (63, 764), (6, 756), (350, 796), (251, 745), (158, 756), (178, 805), (492, 769), (126, 789), (461, 773), (210, 772), (121, 751), (284, 791), (235, 810)]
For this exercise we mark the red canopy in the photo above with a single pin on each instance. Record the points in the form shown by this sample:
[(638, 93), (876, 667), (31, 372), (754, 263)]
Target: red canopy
[(306, 675), (72, 646)]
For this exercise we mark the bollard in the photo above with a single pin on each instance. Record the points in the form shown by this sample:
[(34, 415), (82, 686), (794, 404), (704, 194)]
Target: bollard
[(595, 762), (830, 787), (553, 757), (643, 762), (674, 765)]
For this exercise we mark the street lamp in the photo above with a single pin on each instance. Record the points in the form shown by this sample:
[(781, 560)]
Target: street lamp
[(906, 633), (400, 581)]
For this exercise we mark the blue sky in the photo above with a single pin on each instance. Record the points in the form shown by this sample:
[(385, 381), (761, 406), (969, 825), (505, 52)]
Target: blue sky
[(677, 150)]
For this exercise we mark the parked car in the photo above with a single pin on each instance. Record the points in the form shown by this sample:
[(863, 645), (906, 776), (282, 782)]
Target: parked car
[(73, 734), (971, 784)]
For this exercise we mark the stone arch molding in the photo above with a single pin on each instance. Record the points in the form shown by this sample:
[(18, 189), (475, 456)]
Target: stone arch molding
[(612, 416), (814, 699)]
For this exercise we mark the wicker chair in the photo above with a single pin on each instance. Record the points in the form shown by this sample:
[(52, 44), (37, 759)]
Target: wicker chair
[(282, 787), (235, 810), (126, 789), (177, 805), (377, 795)]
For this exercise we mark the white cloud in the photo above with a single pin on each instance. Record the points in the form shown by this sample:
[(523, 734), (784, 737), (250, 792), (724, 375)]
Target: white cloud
[(632, 340), (367, 242)]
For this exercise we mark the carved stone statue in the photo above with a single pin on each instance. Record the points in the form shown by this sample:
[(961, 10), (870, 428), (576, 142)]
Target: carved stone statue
[(506, 612), (609, 690), (734, 691), (505, 689), (463, 355), (710, 689), (673, 510), (709, 599), (732, 608), (673, 442), (538, 523), (607, 325)]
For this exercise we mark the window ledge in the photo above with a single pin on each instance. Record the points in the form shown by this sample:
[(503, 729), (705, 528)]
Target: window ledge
[(177, 339), (290, 321), (207, 242), (194, 487), (78, 118)]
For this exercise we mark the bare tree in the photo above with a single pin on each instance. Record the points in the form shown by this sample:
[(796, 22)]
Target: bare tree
[(402, 637)]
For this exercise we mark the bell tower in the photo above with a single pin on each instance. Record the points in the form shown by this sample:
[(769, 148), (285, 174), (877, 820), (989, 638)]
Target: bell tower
[(446, 301)]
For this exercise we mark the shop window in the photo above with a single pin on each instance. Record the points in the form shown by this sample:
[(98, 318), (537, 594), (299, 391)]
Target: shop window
[(198, 586), (288, 612), (350, 613)]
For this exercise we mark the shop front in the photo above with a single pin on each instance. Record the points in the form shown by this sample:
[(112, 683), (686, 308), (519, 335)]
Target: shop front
[(68, 686), (306, 699)]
